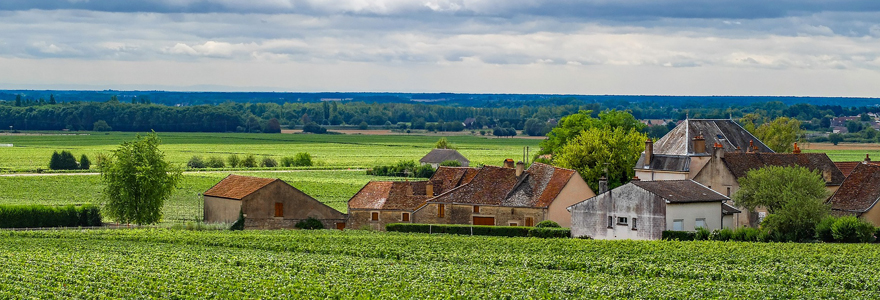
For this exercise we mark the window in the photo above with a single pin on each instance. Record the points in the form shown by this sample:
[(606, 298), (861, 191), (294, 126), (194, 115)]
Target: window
[(374, 216), (610, 222), (728, 191), (622, 221), (441, 210), (635, 224), (513, 223), (701, 222), (279, 210), (530, 221), (678, 225), (476, 209), (405, 217)]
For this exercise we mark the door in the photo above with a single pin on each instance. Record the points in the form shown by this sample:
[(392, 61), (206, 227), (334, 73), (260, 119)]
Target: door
[(340, 226), (484, 221)]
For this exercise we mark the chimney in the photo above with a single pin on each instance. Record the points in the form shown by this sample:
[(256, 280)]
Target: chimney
[(649, 151), (636, 178), (797, 150), (751, 146), (520, 167), (867, 157), (718, 150), (429, 189), (603, 185), (699, 144), (508, 163)]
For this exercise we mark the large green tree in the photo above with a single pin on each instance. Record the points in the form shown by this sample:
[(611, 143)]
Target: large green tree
[(596, 149), (779, 134), (138, 181), (572, 125), (793, 195)]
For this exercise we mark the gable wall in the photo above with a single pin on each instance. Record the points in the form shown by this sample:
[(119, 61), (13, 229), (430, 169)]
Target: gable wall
[(872, 215), (260, 208), (590, 217), (576, 190), (221, 210)]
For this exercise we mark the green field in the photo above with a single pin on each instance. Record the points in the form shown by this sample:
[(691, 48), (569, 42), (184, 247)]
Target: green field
[(179, 264), (330, 151), (849, 155)]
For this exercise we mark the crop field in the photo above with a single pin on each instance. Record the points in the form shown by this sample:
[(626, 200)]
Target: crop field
[(329, 151), (845, 152), (178, 264), (333, 188)]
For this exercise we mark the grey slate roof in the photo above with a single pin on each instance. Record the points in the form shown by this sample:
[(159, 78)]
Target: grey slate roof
[(725, 132), (681, 191), (678, 163), (440, 155)]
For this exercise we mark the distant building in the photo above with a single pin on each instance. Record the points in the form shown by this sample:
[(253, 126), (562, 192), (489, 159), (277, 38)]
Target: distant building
[(642, 210), (437, 156), (469, 122), (267, 203)]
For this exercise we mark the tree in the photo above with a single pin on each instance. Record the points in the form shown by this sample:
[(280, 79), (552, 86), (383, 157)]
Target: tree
[(835, 138), (442, 143), (101, 125), (535, 127), (234, 161), (52, 99), (572, 125), (596, 149), (793, 196), (63, 161), (780, 134), (853, 126), (84, 162), (137, 181), (314, 128), (249, 161), (273, 126)]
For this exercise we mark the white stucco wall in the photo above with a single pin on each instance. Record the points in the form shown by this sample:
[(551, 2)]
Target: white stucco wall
[(651, 175), (590, 217), (690, 212)]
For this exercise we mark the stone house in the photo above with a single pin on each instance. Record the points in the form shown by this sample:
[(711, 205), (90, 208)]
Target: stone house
[(382, 202), (642, 210), (437, 156), (859, 193), (505, 196), (267, 203)]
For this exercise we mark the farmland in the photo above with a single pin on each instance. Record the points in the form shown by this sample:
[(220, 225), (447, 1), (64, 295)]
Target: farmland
[(181, 264), (31, 152)]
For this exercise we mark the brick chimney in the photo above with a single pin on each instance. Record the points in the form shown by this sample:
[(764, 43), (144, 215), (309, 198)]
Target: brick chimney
[(520, 167), (751, 146), (649, 151), (867, 157), (699, 144), (603, 185), (636, 178), (797, 150), (718, 150), (508, 163)]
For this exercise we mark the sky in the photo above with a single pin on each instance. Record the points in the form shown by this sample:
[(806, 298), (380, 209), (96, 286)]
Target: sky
[(631, 47)]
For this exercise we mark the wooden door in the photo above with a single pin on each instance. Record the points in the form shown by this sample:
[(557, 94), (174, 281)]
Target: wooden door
[(340, 226), (484, 221)]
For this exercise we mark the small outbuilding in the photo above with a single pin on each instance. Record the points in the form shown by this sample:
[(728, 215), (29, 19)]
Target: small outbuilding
[(437, 156), (642, 210), (267, 203)]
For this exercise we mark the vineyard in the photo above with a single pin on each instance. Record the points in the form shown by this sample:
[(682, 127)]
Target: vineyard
[(329, 151), (354, 264)]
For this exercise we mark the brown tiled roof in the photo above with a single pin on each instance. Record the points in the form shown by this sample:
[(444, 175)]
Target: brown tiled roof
[(860, 191), (390, 195), (440, 155), (537, 187), (680, 191), (846, 167), (740, 163), (237, 187), (447, 178)]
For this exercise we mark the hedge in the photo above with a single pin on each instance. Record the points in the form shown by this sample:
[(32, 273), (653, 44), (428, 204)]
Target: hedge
[(33, 216), (550, 232), (678, 235), (509, 231)]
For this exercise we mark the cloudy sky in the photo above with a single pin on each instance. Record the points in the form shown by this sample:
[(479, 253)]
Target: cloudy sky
[(668, 47)]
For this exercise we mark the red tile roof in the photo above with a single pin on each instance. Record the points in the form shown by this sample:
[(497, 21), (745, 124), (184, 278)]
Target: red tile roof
[(447, 178), (740, 163), (846, 167), (860, 191), (237, 187), (390, 195), (537, 187)]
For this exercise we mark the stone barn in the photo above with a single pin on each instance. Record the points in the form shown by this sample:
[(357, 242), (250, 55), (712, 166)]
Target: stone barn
[(382, 202), (267, 203)]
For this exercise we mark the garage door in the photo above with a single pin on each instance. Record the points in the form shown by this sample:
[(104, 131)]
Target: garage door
[(484, 220)]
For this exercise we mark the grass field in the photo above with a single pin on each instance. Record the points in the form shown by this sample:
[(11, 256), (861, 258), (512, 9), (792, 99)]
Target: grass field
[(845, 152), (335, 151), (176, 264), (331, 187)]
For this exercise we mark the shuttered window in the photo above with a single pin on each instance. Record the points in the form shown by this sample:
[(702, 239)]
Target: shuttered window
[(441, 210), (279, 209), (405, 217), (530, 221), (374, 216)]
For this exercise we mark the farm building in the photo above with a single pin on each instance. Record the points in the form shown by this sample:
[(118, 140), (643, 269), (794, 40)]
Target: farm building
[(642, 210), (267, 203), (508, 196), (859, 193), (437, 156)]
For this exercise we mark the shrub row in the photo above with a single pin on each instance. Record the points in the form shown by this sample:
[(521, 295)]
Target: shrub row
[(830, 230), (508, 231), (301, 159), (407, 168), (33, 216)]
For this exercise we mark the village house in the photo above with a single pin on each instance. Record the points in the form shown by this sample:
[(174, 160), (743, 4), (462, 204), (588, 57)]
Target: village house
[(438, 156), (508, 196), (642, 210), (846, 167), (859, 193), (267, 203)]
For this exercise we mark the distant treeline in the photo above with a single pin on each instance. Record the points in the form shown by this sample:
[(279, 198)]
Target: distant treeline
[(535, 117)]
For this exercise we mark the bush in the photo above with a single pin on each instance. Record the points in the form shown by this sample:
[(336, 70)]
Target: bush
[(672, 235), (852, 230), (823, 229), (702, 234), (745, 234), (550, 232), (451, 163), (547, 224), (314, 128), (101, 125), (84, 163), (509, 231), (63, 161), (249, 161), (269, 162), (32, 216), (310, 223), (196, 162), (302, 159), (215, 162), (406, 168), (234, 161), (722, 234), (239, 224)]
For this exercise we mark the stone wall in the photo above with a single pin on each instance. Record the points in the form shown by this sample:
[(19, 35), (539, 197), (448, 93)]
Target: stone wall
[(463, 214)]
